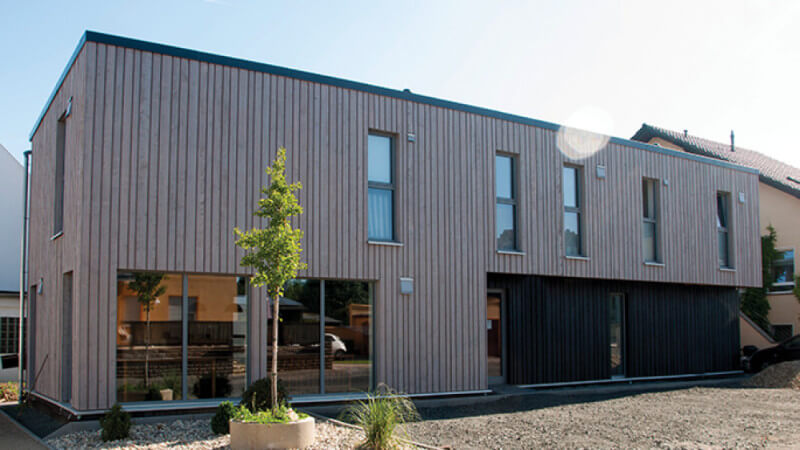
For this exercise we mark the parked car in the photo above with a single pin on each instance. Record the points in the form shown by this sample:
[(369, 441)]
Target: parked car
[(788, 350), (337, 345)]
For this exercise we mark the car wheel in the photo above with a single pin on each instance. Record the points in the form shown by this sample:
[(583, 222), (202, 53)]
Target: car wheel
[(762, 365), (338, 355)]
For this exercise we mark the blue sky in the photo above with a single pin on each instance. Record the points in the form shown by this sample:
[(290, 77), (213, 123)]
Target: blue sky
[(607, 66)]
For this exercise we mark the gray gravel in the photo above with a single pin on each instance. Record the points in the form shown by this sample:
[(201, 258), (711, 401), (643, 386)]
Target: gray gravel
[(194, 434), (687, 418)]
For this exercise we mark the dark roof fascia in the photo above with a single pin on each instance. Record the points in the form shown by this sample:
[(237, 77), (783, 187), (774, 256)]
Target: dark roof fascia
[(779, 186), (179, 52)]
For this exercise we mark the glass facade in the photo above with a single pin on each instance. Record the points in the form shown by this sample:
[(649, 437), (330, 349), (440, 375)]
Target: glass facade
[(338, 313), (155, 310)]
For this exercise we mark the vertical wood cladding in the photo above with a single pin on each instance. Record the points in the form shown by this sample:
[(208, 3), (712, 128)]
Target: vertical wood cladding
[(558, 328), (166, 155)]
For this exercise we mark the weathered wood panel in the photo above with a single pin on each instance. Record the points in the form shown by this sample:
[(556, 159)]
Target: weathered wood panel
[(171, 158), (558, 328)]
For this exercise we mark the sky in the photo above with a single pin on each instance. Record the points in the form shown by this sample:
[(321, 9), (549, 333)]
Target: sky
[(607, 66)]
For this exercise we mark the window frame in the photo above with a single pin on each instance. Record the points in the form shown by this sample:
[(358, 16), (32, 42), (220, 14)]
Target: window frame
[(727, 229), (391, 187), (655, 184), (577, 209), (787, 286), (512, 201)]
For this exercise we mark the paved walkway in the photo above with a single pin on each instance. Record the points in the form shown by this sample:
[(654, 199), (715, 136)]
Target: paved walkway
[(16, 437)]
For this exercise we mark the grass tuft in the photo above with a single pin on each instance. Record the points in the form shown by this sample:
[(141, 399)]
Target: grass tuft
[(379, 416)]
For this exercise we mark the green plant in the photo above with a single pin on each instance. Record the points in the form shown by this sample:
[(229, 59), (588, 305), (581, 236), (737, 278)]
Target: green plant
[(258, 396), (754, 303), (281, 414), (9, 391), (220, 423), (208, 387), (148, 288), (116, 424), (274, 252), (153, 393), (379, 416)]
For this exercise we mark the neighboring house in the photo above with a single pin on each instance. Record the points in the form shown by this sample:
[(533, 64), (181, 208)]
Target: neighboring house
[(11, 179), (779, 199), (426, 223)]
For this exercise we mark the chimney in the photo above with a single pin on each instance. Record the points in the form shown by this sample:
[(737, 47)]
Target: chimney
[(685, 133), (733, 149)]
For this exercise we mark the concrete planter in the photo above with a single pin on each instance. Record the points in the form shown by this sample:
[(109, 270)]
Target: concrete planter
[(251, 436)]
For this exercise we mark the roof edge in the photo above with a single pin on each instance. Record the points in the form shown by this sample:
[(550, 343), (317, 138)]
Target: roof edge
[(60, 81), (211, 58)]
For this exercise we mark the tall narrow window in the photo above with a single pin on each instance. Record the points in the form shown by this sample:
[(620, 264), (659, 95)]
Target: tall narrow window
[(380, 223), (723, 229), (572, 211), (505, 187), (650, 220), (58, 202)]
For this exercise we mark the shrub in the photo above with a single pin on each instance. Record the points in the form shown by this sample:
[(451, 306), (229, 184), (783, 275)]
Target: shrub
[(283, 414), (116, 424), (9, 391), (220, 423), (378, 416), (153, 393), (203, 386), (258, 397)]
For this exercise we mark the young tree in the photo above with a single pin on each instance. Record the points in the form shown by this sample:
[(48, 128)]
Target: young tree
[(147, 286), (274, 252)]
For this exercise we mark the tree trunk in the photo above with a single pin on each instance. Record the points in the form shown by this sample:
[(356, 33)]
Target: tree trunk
[(147, 353), (274, 371)]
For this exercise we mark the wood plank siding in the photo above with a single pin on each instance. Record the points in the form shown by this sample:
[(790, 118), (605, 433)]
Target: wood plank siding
[(166, 155), (558, 328)]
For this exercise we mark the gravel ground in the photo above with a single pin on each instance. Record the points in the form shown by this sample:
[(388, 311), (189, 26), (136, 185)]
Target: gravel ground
[(194, 434), (688, 418)]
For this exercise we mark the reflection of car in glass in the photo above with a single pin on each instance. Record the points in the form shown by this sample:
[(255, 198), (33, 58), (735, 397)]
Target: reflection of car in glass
[(337, 345), (788, 350)]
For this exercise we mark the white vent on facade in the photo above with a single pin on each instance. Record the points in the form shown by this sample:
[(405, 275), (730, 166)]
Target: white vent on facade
[(601, 171), (741, 197), (406, 286)]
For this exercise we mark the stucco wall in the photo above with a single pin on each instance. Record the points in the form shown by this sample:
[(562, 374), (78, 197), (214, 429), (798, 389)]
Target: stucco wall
[(11, 174), (783, 212)]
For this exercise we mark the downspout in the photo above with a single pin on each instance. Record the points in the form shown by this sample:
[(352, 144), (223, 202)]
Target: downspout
[(23, 268)]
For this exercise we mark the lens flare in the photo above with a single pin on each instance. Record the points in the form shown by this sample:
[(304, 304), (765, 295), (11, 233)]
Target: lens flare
[(575, 142)]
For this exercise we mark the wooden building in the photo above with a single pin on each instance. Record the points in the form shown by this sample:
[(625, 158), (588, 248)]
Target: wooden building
[(601, 256)]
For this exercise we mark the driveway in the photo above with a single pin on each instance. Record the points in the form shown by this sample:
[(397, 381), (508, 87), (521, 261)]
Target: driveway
[(714, 417)]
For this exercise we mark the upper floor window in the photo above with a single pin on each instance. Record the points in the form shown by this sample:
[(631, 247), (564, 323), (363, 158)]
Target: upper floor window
[(783, 271), (505, 191), (380, 174), (724, 229), (650, 200), (573, 242), (58, 176)]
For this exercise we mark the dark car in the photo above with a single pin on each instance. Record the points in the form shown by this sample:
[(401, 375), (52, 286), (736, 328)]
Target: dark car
[(788, 350)]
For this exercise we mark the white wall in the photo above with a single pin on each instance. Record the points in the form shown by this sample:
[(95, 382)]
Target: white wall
[(11, 175)]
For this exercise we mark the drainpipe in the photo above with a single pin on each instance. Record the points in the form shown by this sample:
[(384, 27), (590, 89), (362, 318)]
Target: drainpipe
[(23, 267)]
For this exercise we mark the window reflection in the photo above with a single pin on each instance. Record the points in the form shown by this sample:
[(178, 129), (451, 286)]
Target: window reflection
[(348, 316), (298, 337), (217, 320), (148, 352)]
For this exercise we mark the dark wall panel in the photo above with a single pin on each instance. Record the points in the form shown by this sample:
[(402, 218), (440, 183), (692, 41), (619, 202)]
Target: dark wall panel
[(558, 328)]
